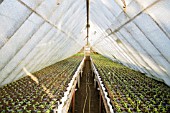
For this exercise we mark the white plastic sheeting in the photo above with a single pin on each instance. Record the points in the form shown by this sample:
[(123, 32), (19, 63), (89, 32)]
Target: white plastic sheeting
[(37, 33), (138, 36)]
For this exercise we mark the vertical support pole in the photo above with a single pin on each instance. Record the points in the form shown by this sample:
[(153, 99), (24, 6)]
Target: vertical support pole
[(88, 23), (73, 102)]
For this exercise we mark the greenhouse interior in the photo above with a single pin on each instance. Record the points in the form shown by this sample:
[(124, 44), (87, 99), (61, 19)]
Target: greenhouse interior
[(84, 56)]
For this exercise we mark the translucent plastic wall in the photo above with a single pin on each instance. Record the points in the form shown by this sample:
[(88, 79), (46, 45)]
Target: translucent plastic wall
[(137, 36), (38, 33)]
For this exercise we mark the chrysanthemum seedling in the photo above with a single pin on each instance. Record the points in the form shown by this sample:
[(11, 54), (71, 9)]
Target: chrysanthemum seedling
[(163, 110), (138, 110), (48, 111), (28, 111), (168, 101), (34, 106), (19, 111), (138, 102), (125, 105), (155, 110), (13, 103), (118, 108), (129, 111), (42, 106), (38, 111)]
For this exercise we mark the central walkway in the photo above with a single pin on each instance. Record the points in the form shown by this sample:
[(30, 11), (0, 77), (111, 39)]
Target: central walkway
[(87, 100)]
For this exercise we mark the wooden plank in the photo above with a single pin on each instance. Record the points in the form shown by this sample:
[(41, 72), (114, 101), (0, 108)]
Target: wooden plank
[(68, 102), (103, 97), (73, 103)]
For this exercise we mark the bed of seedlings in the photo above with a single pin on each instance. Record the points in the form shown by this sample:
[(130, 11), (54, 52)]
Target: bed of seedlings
[(131, 91), (40, 93)]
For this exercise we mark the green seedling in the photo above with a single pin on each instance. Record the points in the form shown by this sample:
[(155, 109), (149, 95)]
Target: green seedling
[(19, 111), (138, 102), (34, 106), (155, 110), (28, 111), (118, 108), (38, 111), (141, 96), (37, 103), (125, 105), (42, 106), (129, 111), (48, 111), (138, 110), (163, 110)]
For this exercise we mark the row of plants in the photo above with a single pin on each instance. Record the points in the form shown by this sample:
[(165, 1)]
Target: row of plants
[(132, 91), (26, 95)]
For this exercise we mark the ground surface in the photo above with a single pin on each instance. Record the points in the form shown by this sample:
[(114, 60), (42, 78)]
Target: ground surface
[(87, 100)]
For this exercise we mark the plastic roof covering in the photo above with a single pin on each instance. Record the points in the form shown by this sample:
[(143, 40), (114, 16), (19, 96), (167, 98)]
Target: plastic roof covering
[(138, 37), (37, 33)]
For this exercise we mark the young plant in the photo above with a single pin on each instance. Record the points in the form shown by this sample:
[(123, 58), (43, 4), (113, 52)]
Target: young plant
[(34, 106), (141, 96), (129, 111), (125, 105), (133, 104), (28, 111), (42, 106), (163, 110), (138, 102), (48, 111), (13, 103), (138, 110), (118, 108), (155, 110), (38, 111), (19, 111)]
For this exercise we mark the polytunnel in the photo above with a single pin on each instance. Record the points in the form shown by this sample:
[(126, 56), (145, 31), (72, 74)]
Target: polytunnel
[(53, 51)]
